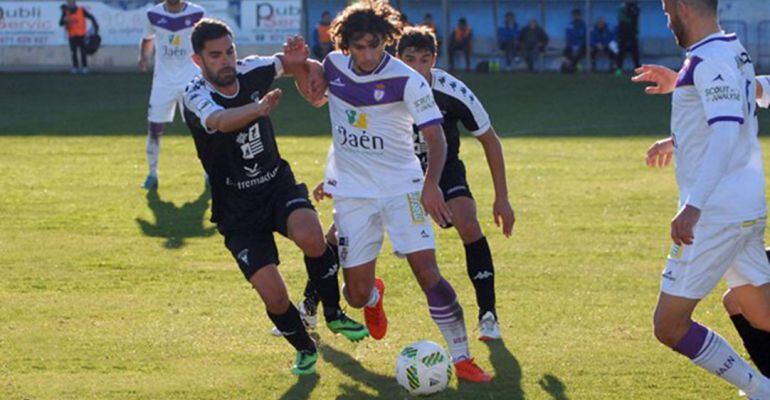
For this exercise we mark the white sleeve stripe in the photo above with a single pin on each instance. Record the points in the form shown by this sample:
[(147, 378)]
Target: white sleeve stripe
[(251, 63)]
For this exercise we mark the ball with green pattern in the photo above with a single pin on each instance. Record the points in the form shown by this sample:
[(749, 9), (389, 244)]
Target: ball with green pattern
[(423, 368)]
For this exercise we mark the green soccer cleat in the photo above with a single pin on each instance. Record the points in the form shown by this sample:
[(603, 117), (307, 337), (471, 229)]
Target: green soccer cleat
[(347, 327), (304, 364)]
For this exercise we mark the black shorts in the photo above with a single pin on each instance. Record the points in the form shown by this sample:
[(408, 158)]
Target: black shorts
[(453, 183), (254, 247)]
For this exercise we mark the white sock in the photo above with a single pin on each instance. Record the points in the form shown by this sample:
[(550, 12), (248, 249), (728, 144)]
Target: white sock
[(719, 358), (153, 153), (374, 297)]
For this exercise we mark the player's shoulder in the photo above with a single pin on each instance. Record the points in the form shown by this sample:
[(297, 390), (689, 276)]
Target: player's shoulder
[(156, 9), (196, 84), (448, 84), (193, 8), (716, 49), (337, 59), (255, 62)]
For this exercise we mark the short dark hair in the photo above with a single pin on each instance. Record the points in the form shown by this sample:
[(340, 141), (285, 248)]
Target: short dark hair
[(710, 6), (419, 37), (367, 16), (208, 29)]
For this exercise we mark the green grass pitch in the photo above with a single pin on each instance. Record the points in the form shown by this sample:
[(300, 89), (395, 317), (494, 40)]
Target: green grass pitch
[(110, 293)]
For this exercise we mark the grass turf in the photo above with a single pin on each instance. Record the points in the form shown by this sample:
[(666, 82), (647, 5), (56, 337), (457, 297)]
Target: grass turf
[(111, 292)]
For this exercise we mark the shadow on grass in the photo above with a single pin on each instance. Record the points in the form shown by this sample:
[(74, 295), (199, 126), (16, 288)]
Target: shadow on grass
[(302, 389), (176, 224), (507, 383), (554, 387)]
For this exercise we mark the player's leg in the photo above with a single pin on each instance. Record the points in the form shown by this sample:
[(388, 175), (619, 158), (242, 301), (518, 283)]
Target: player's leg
[(478, 262), (83, 56), (360, 236), (411, 233), (748, 299), (690, 274), (74, 54), (257, 257), (160, 111), (297, 220), (755, 339)]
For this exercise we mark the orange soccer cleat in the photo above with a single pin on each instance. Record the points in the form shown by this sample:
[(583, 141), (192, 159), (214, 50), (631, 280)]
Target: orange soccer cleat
[(467, 370), (376, 321)]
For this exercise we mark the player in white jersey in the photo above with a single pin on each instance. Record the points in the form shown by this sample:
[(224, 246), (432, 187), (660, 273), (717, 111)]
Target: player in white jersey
[(168, 28), (719, 229), (375, 178)]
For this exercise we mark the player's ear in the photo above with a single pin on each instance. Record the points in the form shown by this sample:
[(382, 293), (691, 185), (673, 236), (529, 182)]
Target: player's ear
[(197, 60), (435, 58)]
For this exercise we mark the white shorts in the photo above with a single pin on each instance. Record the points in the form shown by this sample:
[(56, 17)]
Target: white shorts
[(361, 225), (163, 102), (735, 251)]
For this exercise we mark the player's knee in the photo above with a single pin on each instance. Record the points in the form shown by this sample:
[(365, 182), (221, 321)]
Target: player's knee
[(357, 295), (760, 320), (468, 228), (428, 278), (669, 331), (155, 129), (277, 303), (730, 303), (311, 240)]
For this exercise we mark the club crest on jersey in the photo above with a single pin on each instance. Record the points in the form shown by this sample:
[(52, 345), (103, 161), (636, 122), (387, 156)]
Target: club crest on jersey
[(175, 40), (379, 92)]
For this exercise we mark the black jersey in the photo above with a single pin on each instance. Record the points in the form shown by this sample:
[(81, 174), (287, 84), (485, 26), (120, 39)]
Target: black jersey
[(245, 165), (458, 105)]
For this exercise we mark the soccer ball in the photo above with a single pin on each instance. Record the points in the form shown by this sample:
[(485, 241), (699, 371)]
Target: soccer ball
[(423, 368)]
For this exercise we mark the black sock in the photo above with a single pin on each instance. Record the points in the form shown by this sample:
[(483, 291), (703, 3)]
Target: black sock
[(323, 272), (756, 342), (290, 324), (481, 270)]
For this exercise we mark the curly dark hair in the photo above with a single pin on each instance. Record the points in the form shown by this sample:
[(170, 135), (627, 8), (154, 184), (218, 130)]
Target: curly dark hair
[(377, 17), (419, 37)]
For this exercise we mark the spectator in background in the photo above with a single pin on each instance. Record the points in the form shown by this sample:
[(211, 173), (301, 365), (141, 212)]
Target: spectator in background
[(508, 39), (461, 41), (322, 41), (427, 20), (534, 41), (73, 19), (602, 42), (628, 33), (576, 43)]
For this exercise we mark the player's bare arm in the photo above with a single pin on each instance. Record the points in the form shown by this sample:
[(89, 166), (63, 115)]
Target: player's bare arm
[(665, 79), (232, 119), (501, 208), (145, 52), (432, 198)]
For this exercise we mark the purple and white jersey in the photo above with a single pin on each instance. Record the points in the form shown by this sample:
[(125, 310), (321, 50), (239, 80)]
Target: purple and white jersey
[(717, 85), (173, 48), (372, 152)]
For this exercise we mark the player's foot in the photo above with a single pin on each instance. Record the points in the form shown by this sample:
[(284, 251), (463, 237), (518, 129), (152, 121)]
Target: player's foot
[(74, 71), (304, 364), (151, 182), (489, 328), (347, 327), (375, 317), (467, 370), (84, 71)]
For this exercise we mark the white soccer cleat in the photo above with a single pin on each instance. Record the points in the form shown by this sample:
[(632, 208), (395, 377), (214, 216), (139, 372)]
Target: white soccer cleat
[(309, 316), (489, 329)]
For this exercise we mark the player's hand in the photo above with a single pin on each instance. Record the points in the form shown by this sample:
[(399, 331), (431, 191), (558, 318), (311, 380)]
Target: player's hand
[(295, 50), (663, 78), (683, 225), (268, 102), (433, 201), (319, 193), (660, 153), (503, 213), (142, 64), (318, 85)]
